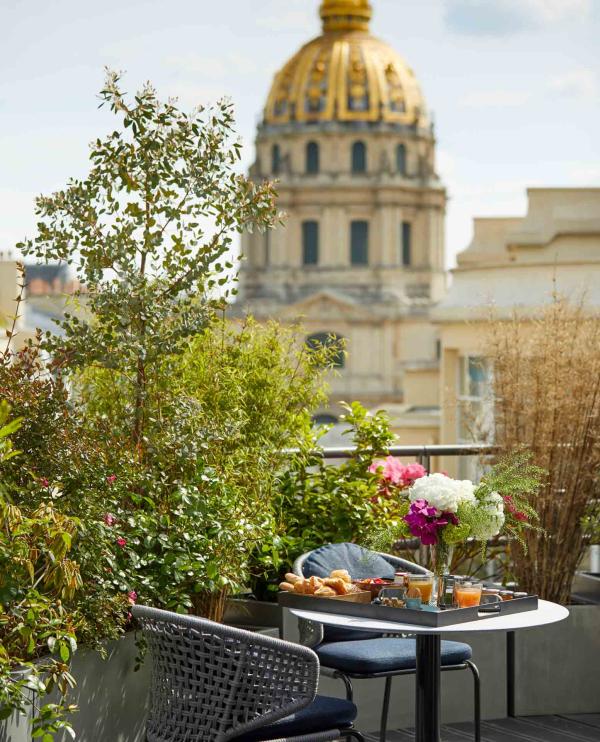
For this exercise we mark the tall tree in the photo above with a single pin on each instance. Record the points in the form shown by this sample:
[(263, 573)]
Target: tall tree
[(149, 233)]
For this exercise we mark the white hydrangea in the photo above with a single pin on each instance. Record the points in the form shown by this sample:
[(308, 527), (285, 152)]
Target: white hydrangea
[(493, 506), (442, 492)]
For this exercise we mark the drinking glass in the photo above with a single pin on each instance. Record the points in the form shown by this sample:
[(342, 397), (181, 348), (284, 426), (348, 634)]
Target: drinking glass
[(423, 583), (467, 595)]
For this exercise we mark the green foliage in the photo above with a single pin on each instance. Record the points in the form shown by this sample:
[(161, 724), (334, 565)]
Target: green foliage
[(148, 231), (218, 416), (36, 576), (318, 503)]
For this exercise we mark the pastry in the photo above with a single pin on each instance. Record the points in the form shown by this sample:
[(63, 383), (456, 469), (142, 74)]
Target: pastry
[(340, 587), (292, 578), (288, 587), (325, 592), (342, 574)]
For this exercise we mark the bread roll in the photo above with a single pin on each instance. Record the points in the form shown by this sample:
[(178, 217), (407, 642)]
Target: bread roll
[(288, 587), (292, 578)]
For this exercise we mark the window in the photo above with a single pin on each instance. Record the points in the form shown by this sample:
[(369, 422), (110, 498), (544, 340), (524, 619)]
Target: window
[(329, 340), (475, 407), (275, 159), (406, 243), (359, 157), (325, 419), (312, 158), (401, 159), (310, 243), (359, 243)]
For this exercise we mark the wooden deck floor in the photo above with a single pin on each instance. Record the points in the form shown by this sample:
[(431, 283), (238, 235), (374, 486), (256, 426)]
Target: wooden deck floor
[(581, 728)]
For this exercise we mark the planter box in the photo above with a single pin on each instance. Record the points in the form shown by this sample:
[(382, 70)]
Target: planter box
[(112, 698), (586, 587), (254, 615), (558, 666)]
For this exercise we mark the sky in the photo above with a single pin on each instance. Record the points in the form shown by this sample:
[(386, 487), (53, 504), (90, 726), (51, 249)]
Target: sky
[(514, 86)]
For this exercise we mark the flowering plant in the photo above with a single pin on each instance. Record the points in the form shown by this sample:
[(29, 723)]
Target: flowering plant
[(443, 512)]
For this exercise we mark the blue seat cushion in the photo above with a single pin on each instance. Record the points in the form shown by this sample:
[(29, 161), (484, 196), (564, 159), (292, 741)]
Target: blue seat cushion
[(324, 713), (383, 655), (339, 634), (360, 563)]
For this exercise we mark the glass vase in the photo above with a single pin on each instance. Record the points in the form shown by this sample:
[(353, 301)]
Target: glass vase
[(440, 558)]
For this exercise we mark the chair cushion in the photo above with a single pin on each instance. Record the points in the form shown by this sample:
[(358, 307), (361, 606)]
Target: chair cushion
[(324, 713), (359, 562), (383, 655), (338, 634)]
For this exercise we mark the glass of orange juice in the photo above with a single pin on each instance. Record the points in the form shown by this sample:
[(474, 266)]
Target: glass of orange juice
[(423, 583), (467, 595)]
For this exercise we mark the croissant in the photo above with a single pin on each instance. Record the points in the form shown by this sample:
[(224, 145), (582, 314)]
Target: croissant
[(325, 592), (342, 574), (292, 578), (314, 583), (340, 587), (289, 588)]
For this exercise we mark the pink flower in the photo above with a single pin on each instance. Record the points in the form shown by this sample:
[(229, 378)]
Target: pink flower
[(109, 519), (132, 595), (122, 542), (521, 516), (424, 521), (413, 472), (44, 482), (390, 469), (111, 479)]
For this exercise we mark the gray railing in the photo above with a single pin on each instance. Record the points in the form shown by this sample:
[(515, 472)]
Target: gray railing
[(422, 453)]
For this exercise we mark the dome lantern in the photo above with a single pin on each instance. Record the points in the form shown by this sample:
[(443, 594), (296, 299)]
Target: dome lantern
[(345, 15)]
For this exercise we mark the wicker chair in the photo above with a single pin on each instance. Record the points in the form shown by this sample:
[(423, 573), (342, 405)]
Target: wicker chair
[(348, 654), (213, 683)]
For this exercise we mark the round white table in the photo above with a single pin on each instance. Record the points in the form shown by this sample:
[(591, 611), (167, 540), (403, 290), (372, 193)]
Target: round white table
[(427, 711)]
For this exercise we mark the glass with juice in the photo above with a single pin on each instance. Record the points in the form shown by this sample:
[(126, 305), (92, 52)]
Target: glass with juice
[(467, 595), (423, 583)]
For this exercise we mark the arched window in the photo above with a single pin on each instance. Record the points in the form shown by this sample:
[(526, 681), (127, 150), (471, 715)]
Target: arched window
[(310, 243), (359, 157), (401, 159), (312, 158), (332, 341), (275, 159), (359, 243)]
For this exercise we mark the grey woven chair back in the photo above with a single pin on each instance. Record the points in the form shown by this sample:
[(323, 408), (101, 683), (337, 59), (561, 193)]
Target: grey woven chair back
[(212, 682), (354, 558)]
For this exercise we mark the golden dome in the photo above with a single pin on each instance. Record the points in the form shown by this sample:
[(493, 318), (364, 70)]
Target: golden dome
[(346, 75)]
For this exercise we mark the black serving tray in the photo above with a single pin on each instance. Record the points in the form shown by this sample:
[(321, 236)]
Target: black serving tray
[(429, 619)]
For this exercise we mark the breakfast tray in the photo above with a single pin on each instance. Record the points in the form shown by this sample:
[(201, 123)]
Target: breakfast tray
[(429, 619)]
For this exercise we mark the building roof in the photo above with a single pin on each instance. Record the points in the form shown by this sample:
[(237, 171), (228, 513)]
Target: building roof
[(346, 75)]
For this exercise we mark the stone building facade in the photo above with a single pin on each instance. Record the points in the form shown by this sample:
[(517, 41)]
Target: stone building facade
[(360, 256)]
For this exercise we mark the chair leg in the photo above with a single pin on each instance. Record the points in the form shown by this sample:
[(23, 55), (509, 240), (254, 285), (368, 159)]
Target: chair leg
[(477, 699), (385, 709), (347, 683)]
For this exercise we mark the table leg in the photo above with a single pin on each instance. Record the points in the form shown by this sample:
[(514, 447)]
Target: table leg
[(427, 717)]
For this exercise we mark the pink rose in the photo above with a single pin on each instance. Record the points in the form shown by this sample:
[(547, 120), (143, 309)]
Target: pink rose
[(111, 479), (122, 542), (132, 595), (413, 472), (109, 519), (390, 469)]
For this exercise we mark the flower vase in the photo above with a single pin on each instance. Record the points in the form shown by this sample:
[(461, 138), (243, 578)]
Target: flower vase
[(440, 558)]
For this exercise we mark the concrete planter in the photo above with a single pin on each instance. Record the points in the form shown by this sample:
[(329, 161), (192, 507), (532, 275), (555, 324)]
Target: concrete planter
[(112, 698), (558, 666)]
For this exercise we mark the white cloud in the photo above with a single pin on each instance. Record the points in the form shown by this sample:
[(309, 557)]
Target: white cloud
[(502, 17), (579, 83), (495, 99)]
